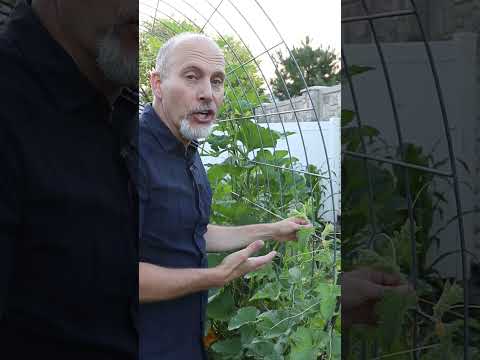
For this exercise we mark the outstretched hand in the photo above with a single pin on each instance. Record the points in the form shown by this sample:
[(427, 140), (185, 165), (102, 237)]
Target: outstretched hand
[(241, 262)]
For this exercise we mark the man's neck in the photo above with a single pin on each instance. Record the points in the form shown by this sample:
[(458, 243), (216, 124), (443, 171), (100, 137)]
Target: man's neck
[(86, 62)]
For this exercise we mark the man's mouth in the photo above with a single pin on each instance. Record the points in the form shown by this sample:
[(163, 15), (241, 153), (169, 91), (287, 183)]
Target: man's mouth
[(203, 116)]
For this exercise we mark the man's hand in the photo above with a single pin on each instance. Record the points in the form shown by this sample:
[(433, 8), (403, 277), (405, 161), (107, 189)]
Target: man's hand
[(286, 230), (239, 263), (361, 291)]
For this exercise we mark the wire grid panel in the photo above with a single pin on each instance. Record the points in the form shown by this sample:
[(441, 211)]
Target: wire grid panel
[(266, 159), (217, 19), (368, 21)]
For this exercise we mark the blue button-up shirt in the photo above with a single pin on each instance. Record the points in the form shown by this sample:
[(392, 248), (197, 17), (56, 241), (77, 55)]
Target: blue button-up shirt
[(175, 200)]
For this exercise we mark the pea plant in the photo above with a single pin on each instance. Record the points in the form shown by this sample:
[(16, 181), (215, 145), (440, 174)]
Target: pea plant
[(433, 313), (288, 309)]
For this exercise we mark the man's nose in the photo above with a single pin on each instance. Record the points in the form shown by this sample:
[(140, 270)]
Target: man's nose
[(205, 92)]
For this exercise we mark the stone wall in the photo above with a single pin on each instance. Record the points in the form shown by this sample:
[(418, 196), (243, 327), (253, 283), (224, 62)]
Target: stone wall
[(326, 100)]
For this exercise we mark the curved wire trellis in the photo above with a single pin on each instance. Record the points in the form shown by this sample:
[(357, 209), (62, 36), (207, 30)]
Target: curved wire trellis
[(371, 17), (176, 12)]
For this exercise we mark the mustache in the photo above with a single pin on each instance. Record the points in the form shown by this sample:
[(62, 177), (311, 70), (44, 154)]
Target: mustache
[(202, 108)]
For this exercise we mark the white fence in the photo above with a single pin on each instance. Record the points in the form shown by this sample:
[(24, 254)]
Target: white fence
[(315, 153), (419, 112)]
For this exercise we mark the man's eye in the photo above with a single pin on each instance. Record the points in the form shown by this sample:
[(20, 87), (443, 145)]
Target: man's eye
[(191, 77), (217, 82)]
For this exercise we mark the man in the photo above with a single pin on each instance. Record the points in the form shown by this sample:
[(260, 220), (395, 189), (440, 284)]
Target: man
[(68, 258), (175, 199)]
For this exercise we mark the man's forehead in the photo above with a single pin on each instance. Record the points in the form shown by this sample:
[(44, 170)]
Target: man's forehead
[(198, 51)]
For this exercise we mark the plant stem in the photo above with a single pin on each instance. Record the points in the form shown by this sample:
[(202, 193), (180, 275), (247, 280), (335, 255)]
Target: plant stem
[(294, 316), (406, 352)]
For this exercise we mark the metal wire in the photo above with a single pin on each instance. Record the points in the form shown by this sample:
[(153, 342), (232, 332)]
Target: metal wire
[(265, 115), (259, 113), (242, 67), (405, 165)]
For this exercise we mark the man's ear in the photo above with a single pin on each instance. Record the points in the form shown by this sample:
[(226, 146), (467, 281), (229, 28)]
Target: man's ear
[(155, 83)]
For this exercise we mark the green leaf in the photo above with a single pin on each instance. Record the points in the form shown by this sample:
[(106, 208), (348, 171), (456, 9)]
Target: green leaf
[(294, 275), (298, 214), (230, 346), (452, 294), (262, 349), (255, 137), (328, 295), (336, 345), (304, 235), (327, 231), (302, 348), (264, 272), (221, 307), (267, 323), (247, 334), (391, 312), (269, 291), (347, 117), (220, 171), (370, 258), (246, 315), (218, 142)]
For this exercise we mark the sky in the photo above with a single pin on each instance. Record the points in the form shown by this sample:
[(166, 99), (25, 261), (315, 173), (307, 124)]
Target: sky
[(254, 21), (319, 19)]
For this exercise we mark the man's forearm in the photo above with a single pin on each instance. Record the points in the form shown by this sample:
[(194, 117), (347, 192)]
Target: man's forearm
[(158, 283), (227, 238)]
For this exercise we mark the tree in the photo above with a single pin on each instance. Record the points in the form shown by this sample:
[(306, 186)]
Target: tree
[(318, 67)]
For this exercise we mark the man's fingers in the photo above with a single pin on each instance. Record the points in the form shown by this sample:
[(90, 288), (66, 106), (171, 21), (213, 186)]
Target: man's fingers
[(383, 278), (377, 292), (376, 276), (300, 221), (259, 261), (374, 291), (251, 249)]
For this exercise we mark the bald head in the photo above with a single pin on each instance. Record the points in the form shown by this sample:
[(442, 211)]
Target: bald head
[(188, 85), (166, 52)]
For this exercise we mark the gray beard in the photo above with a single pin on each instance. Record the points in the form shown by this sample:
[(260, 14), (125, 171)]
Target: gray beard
[(118, 66), (193, 133)]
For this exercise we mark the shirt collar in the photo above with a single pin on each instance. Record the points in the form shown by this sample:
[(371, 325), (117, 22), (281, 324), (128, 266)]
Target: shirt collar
[(49, 63), (164, 136)]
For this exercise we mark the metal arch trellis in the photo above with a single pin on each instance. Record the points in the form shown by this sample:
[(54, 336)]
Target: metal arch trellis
[(201, 25), (281, 183), (370, 18)]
